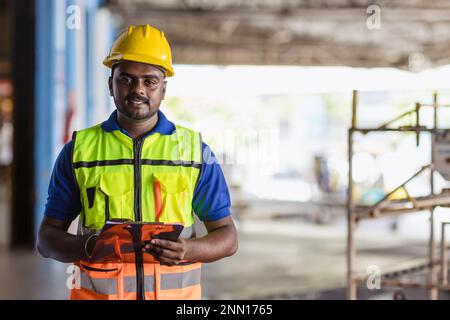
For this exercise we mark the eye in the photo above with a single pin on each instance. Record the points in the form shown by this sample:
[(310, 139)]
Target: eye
[(149, 82), (124, 80)]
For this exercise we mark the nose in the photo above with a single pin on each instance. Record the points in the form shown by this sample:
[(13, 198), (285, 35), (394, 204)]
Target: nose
[(138, 87)]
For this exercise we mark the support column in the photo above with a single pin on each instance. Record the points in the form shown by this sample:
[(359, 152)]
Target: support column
[(23, 78)]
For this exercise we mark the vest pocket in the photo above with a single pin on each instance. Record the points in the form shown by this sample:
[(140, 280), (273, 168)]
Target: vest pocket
[(94, 207), (118, 197), (110, 198), (176, 204), (101, 280)]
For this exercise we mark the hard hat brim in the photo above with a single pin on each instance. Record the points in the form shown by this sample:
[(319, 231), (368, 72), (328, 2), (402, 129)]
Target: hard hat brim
[(113, 58)]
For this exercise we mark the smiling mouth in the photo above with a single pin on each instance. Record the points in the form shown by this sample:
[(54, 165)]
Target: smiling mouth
[(136, 102)]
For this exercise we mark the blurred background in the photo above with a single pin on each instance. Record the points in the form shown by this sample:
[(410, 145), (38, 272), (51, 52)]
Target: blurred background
[(270, 86)]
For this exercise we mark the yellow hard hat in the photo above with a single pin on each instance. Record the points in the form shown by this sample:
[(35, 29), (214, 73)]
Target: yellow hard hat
[(144, 44)]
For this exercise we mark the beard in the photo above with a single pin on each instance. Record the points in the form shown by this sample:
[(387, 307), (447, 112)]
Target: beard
[(142, 112)]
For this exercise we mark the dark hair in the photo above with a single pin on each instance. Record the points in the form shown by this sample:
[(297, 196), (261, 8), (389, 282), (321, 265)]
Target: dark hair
[(114, 66)]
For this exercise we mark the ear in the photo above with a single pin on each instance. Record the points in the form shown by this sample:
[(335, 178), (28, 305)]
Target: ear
[(110, 86), (164, 90)]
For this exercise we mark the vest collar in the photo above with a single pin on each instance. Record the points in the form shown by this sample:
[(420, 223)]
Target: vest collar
[(163, 126)]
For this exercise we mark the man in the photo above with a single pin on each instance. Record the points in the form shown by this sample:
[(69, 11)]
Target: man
[(137, 165)]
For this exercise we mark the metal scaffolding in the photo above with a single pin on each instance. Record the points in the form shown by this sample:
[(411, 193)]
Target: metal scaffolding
[(386, 207)]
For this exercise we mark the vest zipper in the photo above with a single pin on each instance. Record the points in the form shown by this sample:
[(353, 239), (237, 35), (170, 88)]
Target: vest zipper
[(137, 180), (137, 146)]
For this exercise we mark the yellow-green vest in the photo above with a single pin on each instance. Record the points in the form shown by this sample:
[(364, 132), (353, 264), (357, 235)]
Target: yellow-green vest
[(115, 176)]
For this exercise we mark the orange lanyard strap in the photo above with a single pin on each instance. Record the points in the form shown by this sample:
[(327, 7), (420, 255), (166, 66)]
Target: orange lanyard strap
[(158, 201)]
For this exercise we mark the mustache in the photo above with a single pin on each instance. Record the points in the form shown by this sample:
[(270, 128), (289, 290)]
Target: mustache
[(138, 98)]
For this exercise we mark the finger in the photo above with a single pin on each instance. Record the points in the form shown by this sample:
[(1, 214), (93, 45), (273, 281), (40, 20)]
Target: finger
[(172, 245), (168, 261), (148, 246), (149, 251), (168, 253)]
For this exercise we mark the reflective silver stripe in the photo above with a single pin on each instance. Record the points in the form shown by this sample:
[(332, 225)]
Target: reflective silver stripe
[(103, 286), (129, 284), (180, 280), (149, 283)]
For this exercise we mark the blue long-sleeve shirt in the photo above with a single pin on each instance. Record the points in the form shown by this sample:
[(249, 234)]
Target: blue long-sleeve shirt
[(211, 199)]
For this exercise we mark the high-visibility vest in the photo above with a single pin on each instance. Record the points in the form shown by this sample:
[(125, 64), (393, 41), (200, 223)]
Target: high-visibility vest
[(151, 179)]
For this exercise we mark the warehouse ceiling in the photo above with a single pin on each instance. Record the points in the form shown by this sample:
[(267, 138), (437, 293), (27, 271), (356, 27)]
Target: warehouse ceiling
[(407, 34)]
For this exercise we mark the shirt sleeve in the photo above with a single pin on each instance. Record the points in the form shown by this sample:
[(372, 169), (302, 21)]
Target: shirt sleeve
[(63, 201), (211, 200)]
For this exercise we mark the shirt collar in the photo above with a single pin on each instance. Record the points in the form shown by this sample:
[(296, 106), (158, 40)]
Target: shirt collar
[(163, 126)]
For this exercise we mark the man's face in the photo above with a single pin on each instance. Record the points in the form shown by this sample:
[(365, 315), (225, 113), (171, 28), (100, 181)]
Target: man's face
[(138, 89)]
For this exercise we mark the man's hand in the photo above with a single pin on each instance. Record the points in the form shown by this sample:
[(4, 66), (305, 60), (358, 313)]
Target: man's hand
[(221, 241), (168, 252)]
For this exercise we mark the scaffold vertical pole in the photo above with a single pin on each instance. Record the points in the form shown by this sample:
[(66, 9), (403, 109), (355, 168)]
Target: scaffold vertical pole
[(351, 221)]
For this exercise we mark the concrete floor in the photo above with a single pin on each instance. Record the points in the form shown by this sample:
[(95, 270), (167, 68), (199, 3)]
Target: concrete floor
[(5, 196), (289, 258)]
